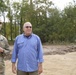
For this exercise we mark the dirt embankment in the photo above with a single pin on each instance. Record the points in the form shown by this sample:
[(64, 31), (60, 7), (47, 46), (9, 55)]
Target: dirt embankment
[(52, 50), (58, 60), (59, 49)]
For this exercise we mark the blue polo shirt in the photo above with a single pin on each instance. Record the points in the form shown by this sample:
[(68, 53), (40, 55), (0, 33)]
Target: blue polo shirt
[(28, 51)]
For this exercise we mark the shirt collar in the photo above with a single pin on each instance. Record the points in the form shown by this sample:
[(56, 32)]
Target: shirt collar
[(27, 36)]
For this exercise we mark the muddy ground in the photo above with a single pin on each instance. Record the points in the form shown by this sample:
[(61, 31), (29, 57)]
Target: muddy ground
[(58, 60)]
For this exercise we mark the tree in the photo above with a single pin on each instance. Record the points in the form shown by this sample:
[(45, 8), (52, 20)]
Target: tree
[(3, 9)]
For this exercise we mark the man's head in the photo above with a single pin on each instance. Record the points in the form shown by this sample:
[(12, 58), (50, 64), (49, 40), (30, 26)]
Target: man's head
[(27, 28), (0, 24)]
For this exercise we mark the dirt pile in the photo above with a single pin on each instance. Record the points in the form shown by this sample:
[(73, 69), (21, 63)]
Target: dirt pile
[(59, 50), (52, 50)]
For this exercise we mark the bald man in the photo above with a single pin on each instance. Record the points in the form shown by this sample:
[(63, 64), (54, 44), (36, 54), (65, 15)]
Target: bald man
[(29, 52)]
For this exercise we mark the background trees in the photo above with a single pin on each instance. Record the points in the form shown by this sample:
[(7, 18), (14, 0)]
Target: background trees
[(51, 24)]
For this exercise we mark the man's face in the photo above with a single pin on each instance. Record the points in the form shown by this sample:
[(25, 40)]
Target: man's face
[(0, 26), (27, 29)]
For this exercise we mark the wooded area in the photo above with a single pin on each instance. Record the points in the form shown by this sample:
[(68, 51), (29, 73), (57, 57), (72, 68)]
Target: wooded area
[(50, 23)]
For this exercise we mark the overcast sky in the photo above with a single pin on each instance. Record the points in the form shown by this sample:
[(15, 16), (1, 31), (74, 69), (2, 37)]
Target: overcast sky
[(61, 3), (58, 3)]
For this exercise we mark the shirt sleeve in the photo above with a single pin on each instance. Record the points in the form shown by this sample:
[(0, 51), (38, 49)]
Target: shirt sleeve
[(6, 48), (40, 50), (14, 52)]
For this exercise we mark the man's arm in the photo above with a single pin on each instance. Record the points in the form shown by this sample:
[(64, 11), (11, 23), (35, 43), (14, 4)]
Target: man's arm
[(14, 57), (40, 56), (4, 49)]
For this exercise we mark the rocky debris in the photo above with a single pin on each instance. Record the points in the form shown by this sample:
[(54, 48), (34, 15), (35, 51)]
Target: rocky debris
[(60, 51)]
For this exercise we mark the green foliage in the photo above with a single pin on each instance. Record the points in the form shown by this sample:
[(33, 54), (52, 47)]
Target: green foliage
[(48, 22)]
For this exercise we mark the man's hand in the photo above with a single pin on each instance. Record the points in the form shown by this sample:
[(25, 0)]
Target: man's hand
[(40, 69), (14, 68), (1, 49)]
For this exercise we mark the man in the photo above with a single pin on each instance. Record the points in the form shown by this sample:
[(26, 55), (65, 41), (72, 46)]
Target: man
[(28, 50), (4, 50)]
